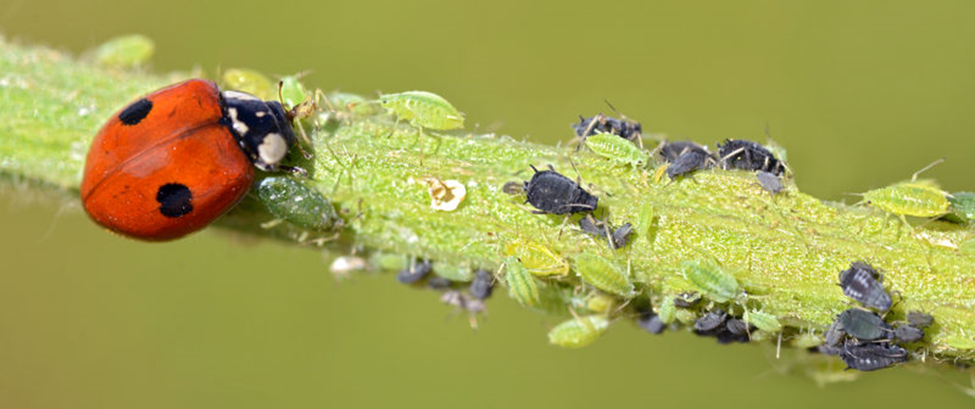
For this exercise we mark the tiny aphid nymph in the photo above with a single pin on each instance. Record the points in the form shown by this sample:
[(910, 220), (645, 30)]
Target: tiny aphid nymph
[(415, 272), (521, 284), (616, 149), (763, 321), (578, 332), (716, 283), (863, 325), (537, 258), (603, 274)]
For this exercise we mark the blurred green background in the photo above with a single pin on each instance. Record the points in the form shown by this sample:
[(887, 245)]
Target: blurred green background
[(861, 93)]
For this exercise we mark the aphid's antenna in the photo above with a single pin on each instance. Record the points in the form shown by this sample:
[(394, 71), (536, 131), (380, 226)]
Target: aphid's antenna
[(933, 164)]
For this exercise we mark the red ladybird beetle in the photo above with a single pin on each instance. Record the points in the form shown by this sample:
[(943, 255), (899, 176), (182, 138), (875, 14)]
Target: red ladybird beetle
[(170, 163)]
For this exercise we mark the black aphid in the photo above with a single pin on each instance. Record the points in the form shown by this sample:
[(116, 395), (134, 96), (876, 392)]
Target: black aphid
[(617, 238), (438, 283), (551, 192), (770, 182), (689, 162), (670, 151), (919, 319), (687, 300), (482, 285), (748, 155), (415, 273), (737, 327), (711, 321), (864, 284), (727, 337), (871, 356), (863, 325), (630, 130), (651, 323), (908, 333)]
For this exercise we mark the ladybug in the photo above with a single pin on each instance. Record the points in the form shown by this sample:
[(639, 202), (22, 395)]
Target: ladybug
[(173, 161)]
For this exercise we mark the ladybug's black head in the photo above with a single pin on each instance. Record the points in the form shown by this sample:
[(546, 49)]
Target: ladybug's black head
[(262, 128)]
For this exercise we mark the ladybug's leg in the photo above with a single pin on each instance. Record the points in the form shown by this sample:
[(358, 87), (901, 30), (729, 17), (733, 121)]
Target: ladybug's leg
[(295, 170)]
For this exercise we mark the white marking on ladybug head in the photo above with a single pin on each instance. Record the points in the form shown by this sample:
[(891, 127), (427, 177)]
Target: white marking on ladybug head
[(239, 95), (238, 125), (260, 114), (272, 148)]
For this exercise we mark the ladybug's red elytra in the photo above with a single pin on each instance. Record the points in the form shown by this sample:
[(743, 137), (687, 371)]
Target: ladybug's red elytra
[(173, 161)]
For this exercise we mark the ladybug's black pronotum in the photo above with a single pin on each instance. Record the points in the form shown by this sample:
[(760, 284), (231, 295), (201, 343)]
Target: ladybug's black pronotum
[(551, 192)]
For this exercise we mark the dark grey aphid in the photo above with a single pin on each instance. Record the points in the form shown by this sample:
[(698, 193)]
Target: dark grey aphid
[(748, 155), (871, 356), (606, 124), (415, 272), (863, 284), (482, 285), (711, 321), (919, 319), (908, 333), (835, 334), (551, 192), (827, 349), (670, 151), (651, 323), (438, 283), (770, 182), (687, 300), (617, 238), (863, 325), (688, 162), (737, 327), (727, 337)]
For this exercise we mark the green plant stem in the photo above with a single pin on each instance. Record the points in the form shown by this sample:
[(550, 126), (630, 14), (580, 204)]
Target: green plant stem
[(786, 250)]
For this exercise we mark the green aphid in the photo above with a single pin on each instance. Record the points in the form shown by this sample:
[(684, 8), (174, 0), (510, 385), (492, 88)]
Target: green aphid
[(960, 341), (604, 275), (667, 309), (962, 208), (616, 149), (291, 201), (600, 303), (250, 81), (521, 284), (537, 258), (711, 280), (453, 272), (125, 51), (353, 102), (763, 321), (293, 93), (919, 198), (685, 316), (807, 340), (423, 110), (578, 332), (644, 220)]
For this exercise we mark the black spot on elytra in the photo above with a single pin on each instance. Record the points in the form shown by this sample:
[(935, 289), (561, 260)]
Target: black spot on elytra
[(174, 200), (136, 112)]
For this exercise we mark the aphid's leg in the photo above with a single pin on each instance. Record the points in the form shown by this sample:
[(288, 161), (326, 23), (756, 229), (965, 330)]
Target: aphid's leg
[(589, 128), (724, 160), (271, 224), (297, 171), (420, 136), (659, 173)]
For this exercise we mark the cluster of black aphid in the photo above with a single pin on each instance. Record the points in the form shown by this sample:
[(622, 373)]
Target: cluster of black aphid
[(716, 323), (473, 300), (860, 336), (686, 157)]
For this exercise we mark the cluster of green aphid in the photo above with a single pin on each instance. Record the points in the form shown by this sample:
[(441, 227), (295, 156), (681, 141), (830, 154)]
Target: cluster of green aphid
[(535, 275)]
